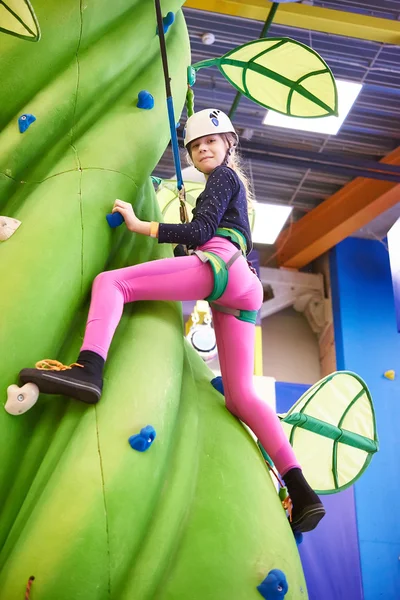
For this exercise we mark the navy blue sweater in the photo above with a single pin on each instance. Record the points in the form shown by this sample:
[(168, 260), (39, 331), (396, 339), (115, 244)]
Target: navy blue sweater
[(223, 203)]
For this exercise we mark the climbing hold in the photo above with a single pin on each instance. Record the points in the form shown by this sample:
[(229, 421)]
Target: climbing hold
[(217, 383), (390, 374), (114, 219), (8, 226), (25, 121), (167, 22), (298, 536), (145, 100), (143, 440), (21, 399), (274, 586)]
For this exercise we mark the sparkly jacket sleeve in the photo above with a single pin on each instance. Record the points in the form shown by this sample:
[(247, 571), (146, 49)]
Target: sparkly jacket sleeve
[(221, 185)]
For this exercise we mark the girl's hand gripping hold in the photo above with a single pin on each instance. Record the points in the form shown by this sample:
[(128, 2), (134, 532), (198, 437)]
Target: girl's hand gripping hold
[(131, 220)]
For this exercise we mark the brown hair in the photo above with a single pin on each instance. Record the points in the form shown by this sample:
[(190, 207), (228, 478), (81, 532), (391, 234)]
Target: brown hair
[(233, 161)]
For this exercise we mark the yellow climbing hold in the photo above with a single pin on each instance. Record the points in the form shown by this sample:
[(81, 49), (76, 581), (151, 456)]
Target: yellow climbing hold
[(390, 374)]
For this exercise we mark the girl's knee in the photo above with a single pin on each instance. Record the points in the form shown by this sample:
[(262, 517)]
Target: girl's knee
[(110, 282), (104, 280), (100, 279)]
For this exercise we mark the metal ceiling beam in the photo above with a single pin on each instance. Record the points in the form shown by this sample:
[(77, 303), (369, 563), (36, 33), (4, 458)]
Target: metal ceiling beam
[(349, 209), (339, 164), (304, 16)]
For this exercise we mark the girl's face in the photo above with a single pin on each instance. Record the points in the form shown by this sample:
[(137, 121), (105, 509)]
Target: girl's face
[(208, 152)]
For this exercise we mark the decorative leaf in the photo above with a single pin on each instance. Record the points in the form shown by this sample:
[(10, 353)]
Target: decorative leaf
[(333, 432), (168, 199), (282, 75), (18, 18)]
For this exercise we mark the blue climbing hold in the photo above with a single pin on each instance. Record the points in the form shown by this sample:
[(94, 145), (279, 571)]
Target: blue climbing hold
[(25, 121), (217, 383), (274, 586), (115, 219), (167, 22), (298, 536), (145, 100), (143, 440)]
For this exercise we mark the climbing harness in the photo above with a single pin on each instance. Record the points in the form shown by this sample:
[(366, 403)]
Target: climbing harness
[(283, 493), (220, 270), (234, 236)]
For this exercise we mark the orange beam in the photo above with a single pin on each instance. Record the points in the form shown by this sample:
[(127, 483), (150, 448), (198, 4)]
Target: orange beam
[(349, 209)]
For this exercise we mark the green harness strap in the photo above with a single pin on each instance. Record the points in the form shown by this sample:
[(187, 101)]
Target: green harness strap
[(220, 270), (249, 316), (235, 236)]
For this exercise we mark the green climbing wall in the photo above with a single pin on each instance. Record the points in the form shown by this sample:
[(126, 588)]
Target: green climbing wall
[(197, 515)]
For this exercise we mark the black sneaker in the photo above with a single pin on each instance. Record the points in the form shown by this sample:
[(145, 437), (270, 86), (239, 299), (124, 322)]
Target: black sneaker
[(308, 509), (307, 518), (75, 382)]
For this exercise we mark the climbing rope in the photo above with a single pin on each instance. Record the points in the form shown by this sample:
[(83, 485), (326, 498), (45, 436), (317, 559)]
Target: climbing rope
[(171, 115), (283, 493), (54, 365), (28, 588), (288, 506)]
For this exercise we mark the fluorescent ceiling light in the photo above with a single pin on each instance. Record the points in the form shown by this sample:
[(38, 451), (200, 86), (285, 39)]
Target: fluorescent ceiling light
[(269, 220), (347, 94)]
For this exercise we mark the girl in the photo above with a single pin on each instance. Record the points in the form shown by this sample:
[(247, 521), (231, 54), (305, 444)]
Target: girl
[(220, 234)]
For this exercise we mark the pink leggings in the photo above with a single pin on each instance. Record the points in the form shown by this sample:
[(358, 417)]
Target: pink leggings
[(187, 278)]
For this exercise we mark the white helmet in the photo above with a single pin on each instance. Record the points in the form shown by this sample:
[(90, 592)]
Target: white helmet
[(207, 122)]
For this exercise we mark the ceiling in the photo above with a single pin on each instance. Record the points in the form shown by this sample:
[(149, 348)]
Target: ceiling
[(276, 158)]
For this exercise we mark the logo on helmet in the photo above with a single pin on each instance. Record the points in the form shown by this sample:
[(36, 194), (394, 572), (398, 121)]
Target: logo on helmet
[(214, 117)]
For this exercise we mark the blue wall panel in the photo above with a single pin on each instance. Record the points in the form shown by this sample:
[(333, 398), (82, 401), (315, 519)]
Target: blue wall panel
[(367, 342)]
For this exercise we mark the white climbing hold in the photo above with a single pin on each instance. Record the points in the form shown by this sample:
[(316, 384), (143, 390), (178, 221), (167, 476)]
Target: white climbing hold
[(8, 226), (21, 399)]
